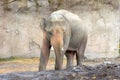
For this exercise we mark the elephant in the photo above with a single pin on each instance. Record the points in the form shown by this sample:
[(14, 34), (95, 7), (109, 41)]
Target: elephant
[(63, 30)]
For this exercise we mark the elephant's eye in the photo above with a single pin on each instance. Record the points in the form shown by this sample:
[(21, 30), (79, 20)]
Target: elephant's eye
[(50, 33)]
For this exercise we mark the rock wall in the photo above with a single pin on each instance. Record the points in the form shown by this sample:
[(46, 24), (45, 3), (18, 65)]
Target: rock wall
[(103, 28), (20, 34)]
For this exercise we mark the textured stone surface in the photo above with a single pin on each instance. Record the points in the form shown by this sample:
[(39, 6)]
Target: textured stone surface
[(20, 35)]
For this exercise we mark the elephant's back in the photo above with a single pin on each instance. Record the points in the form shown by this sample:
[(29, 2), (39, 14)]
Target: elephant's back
[(73, 19), (69, 15)]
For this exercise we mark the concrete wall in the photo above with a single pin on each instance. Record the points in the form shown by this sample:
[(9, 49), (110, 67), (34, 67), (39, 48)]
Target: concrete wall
[(20, 34)]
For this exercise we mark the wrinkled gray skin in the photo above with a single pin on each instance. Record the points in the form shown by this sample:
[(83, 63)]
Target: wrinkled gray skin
[(63, 30)]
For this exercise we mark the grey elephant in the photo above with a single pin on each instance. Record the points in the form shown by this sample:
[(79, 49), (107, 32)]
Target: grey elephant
[(64, 31)]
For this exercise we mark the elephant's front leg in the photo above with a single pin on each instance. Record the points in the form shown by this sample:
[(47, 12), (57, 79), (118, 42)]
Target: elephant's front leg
[(45, 52)]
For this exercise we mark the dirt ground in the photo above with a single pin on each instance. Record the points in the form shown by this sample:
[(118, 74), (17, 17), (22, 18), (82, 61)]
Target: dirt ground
[(24, 65), (27, 69)]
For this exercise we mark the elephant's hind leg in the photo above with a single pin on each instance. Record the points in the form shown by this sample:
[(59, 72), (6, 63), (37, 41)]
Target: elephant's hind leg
[(80, 52), (70, 58)]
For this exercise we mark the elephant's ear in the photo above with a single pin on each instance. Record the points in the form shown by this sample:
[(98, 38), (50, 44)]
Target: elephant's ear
[(43, 24)]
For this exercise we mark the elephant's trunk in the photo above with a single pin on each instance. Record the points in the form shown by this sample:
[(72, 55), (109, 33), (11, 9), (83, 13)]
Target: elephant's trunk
[(57, 43), (59, 58)]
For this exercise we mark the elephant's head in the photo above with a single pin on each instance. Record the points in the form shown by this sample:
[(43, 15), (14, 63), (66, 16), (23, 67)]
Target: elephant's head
[(56, 28)]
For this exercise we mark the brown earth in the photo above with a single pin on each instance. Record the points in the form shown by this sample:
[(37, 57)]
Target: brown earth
[(22, 64), (27, 69)]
